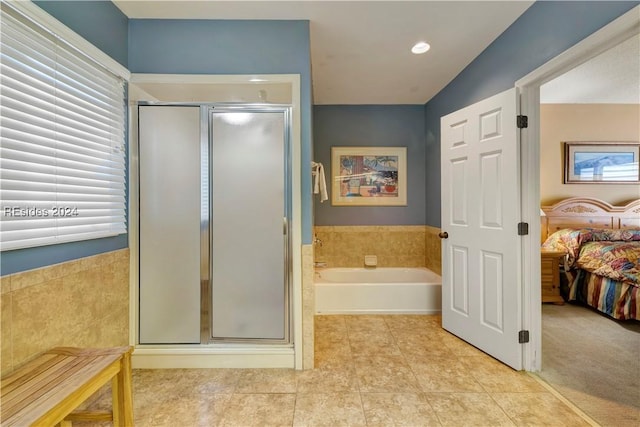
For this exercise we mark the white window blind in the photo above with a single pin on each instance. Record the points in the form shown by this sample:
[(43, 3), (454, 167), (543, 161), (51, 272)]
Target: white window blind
[(62, 158)]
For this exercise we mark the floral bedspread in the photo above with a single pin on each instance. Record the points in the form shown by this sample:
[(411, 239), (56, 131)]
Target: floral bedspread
[(602, 268), (614, 254)]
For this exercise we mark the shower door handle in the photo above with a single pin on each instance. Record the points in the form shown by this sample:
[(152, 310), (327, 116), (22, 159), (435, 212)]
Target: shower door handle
[(285, 226)]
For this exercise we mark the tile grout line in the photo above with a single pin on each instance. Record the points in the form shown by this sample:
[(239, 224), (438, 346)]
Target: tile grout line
[(422, 391), (485, 390), (295, 399), (353, 363), (424, 394), (564, 400), (404, 359), (500, 406)]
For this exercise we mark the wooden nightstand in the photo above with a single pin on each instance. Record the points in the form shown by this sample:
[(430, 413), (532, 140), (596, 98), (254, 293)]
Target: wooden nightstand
[(550, 275)]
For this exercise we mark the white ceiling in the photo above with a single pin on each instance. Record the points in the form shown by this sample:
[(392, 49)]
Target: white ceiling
[(613, 77), (360, 50)]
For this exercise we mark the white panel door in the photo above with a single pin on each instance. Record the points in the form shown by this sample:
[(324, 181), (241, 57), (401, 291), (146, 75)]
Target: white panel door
[(169, 152), (480, 213)]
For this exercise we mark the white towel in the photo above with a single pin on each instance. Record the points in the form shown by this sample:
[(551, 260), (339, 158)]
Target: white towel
[(320, 185)]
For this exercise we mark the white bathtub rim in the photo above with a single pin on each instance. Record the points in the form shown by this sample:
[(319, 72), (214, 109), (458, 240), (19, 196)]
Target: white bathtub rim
[(377, 297), (330, 275), (379, 312)]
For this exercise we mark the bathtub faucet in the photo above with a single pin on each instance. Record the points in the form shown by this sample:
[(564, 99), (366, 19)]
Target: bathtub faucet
[(317, 241)]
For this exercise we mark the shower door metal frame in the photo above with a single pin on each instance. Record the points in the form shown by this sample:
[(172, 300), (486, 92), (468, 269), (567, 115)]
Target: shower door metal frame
[(206, 273), (206, 238)]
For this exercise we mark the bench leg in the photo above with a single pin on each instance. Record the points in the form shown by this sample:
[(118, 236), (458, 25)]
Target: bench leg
[(121, 387)]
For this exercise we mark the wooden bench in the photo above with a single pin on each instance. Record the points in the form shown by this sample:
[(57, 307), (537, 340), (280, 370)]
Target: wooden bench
[(45, 391)]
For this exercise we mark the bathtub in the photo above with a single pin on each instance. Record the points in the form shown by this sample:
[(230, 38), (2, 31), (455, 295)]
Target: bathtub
[(377, 291)]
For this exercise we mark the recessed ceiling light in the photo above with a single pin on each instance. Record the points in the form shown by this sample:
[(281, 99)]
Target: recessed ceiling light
[(420, 47)]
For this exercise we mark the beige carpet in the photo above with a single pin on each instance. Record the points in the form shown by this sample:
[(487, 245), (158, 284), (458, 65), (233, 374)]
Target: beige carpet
[(593, 361)]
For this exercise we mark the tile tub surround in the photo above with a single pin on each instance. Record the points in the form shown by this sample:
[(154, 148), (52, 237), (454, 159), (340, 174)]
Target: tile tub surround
[(433, 249), (424, 377), (84, 303), (394, 245), (308, 306)]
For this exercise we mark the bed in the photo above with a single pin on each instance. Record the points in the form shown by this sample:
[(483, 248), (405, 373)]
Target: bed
[(602, 243)]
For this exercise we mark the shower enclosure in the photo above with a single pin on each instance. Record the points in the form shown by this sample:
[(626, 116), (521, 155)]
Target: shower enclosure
[(214, 215)]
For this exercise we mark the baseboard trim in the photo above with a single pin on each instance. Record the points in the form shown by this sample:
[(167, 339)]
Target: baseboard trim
[(212, 357)]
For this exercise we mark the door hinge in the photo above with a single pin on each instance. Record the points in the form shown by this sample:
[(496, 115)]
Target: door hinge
[(523, 229), (522, 121), (523, 337)]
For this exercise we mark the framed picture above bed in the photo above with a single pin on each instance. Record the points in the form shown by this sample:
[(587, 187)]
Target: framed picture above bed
[(601, 162)]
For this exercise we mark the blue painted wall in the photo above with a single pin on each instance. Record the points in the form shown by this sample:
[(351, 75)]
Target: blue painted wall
[(378, 126), (104, 25), (244, 47), (231, 47), (545, 30), (100, 22)]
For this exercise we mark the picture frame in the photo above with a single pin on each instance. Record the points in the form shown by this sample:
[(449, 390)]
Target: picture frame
[(369, 176), (601, 162)]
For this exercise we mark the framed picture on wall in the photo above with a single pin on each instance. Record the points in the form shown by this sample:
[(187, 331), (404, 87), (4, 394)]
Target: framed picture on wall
[(369, 176), (601, 162)]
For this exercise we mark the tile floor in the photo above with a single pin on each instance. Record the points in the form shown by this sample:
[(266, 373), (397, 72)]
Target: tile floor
[(370, 371)]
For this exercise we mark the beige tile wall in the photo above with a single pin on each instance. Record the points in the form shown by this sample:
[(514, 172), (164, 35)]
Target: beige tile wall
[(308, 307), (83, 303), (433, 250), (395, 246)]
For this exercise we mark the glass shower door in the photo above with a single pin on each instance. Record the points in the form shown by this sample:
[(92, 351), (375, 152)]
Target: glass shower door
[(170, 211), (249, 230)]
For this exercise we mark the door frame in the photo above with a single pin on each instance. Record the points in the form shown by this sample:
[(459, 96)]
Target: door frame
[(620, 29)]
